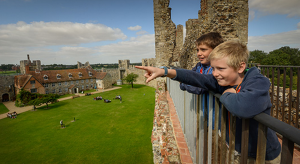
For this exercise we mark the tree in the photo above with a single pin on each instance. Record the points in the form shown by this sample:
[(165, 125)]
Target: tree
[(257, 56), (50, 98), (277, 57), (24, 97), (37, 100), (130, 78)]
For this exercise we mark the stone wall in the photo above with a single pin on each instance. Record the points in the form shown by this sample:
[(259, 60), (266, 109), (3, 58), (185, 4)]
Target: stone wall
[(229, 18), (7, 88), (163, 140)]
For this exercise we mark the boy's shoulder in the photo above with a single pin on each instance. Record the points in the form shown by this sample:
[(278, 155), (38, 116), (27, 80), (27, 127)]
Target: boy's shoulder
[(253, 75)]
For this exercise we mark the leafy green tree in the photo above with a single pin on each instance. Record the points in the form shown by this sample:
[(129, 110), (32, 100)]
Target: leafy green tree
[(257, 56), (277, 57), (37, 100), (130, 78), (24, 97), (50, 98)]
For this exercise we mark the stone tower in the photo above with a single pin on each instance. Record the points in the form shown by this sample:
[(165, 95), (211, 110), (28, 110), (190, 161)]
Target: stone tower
[(34, 65), (228, 17)]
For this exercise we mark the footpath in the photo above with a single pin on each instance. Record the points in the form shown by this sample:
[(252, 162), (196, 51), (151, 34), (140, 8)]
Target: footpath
[(10, 105)]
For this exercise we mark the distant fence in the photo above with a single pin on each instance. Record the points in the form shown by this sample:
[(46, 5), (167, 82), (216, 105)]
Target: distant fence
[(198, 130)]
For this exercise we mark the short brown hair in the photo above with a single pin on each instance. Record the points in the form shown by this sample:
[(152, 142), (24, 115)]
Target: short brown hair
[(235, 50), (211, 39)]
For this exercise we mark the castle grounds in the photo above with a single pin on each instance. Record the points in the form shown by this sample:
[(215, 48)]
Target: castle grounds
[(101, 133)]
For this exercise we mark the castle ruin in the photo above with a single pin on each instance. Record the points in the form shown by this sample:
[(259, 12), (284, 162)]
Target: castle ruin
[(228, 17)]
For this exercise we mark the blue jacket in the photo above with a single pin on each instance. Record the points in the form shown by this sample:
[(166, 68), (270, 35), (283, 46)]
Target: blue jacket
[(192, 89), (252, 99)]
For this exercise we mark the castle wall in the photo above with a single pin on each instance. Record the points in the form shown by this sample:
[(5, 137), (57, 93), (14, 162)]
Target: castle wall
[(229, 18), (7, 88)]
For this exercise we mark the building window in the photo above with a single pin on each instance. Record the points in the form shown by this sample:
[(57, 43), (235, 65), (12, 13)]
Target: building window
[(82, 87), (53, 84), (59, 83), (77, 82), (66, 89), (33, 90), (46, 85), (66, 83), (82, 81), (58, 76), (91, 80), (90, 73), (32, 82), (87, 86), (71, 82), (99, 85), (47, 92), (80, 74), (45, 77), (91, 85), (59, 90), (53, 91), (70, 75), (87, 80)]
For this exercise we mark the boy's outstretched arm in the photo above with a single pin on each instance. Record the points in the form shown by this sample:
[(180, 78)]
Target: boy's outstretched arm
[(153, 72)]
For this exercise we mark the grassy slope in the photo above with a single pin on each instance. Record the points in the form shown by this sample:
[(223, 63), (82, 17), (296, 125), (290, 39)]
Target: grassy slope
[(3, 109), (102, 133)]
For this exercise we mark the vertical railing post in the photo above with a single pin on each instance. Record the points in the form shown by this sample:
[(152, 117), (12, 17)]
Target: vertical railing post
[(272, 94), (290, 97), (283, 95), (277, 97), (287, 151), (297, 97), (223, 150), (245, 140), (261, 144), (216, 130)]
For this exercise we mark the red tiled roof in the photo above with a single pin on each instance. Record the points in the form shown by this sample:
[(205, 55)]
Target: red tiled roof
[(52, 75), (21, 80), (100, 75)]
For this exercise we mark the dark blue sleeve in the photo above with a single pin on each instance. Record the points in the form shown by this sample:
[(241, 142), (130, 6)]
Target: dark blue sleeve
[(204, 81), (253, 98), (192, 89)]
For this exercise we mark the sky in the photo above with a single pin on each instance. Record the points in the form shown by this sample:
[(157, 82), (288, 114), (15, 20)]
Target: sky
[(105, 31)]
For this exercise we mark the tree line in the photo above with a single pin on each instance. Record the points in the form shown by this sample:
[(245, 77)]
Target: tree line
[(283, 56)]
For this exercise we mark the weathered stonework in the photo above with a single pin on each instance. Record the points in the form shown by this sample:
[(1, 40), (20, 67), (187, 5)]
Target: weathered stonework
[(7, 88), (229, 18), (164, 144), (35, 64)]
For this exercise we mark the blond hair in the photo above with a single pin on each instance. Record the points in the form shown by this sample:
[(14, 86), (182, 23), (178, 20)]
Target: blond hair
[(235, 50)]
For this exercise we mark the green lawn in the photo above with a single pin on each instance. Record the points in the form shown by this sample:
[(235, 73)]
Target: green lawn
[(105, 133), (3, 109)]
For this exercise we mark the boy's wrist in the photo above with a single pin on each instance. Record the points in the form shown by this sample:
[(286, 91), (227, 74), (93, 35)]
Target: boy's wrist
[(165, 71)]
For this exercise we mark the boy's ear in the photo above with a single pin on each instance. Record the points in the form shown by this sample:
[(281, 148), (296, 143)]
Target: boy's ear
[(242, 67)]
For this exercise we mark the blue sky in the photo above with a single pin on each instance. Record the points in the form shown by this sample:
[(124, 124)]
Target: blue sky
[(102, 31)]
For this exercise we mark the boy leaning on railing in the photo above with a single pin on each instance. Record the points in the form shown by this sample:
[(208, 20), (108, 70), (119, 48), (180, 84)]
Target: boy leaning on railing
[(243, 95)]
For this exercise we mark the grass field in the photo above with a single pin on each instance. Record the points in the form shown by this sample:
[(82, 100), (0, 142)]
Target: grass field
[(105, 133), (3, 109)]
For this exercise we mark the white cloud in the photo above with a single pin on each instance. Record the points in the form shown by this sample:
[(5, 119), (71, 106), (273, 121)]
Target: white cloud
[(42, 41), (55, 33), (135, 28), (269, 43), (141, 32), (136, 48), (289, 7)]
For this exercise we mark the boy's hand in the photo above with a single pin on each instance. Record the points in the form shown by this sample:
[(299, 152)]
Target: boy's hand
[(231, 90), (151, 72)]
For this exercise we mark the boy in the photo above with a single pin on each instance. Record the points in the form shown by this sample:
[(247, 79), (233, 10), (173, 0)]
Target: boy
[(243, 95), (205, 44)]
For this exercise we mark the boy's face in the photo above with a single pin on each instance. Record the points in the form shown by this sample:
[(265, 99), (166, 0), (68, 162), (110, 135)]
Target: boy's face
[(226, 75), (203, 52)]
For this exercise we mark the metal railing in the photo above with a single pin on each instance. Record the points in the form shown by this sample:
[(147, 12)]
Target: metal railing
[(198, 131), (285, 90)]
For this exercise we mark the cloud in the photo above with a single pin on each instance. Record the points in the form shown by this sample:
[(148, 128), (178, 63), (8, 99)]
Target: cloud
[(267, 7), (141, 32), (135, 28), (38, 34), (269, 43), (136, 48)]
